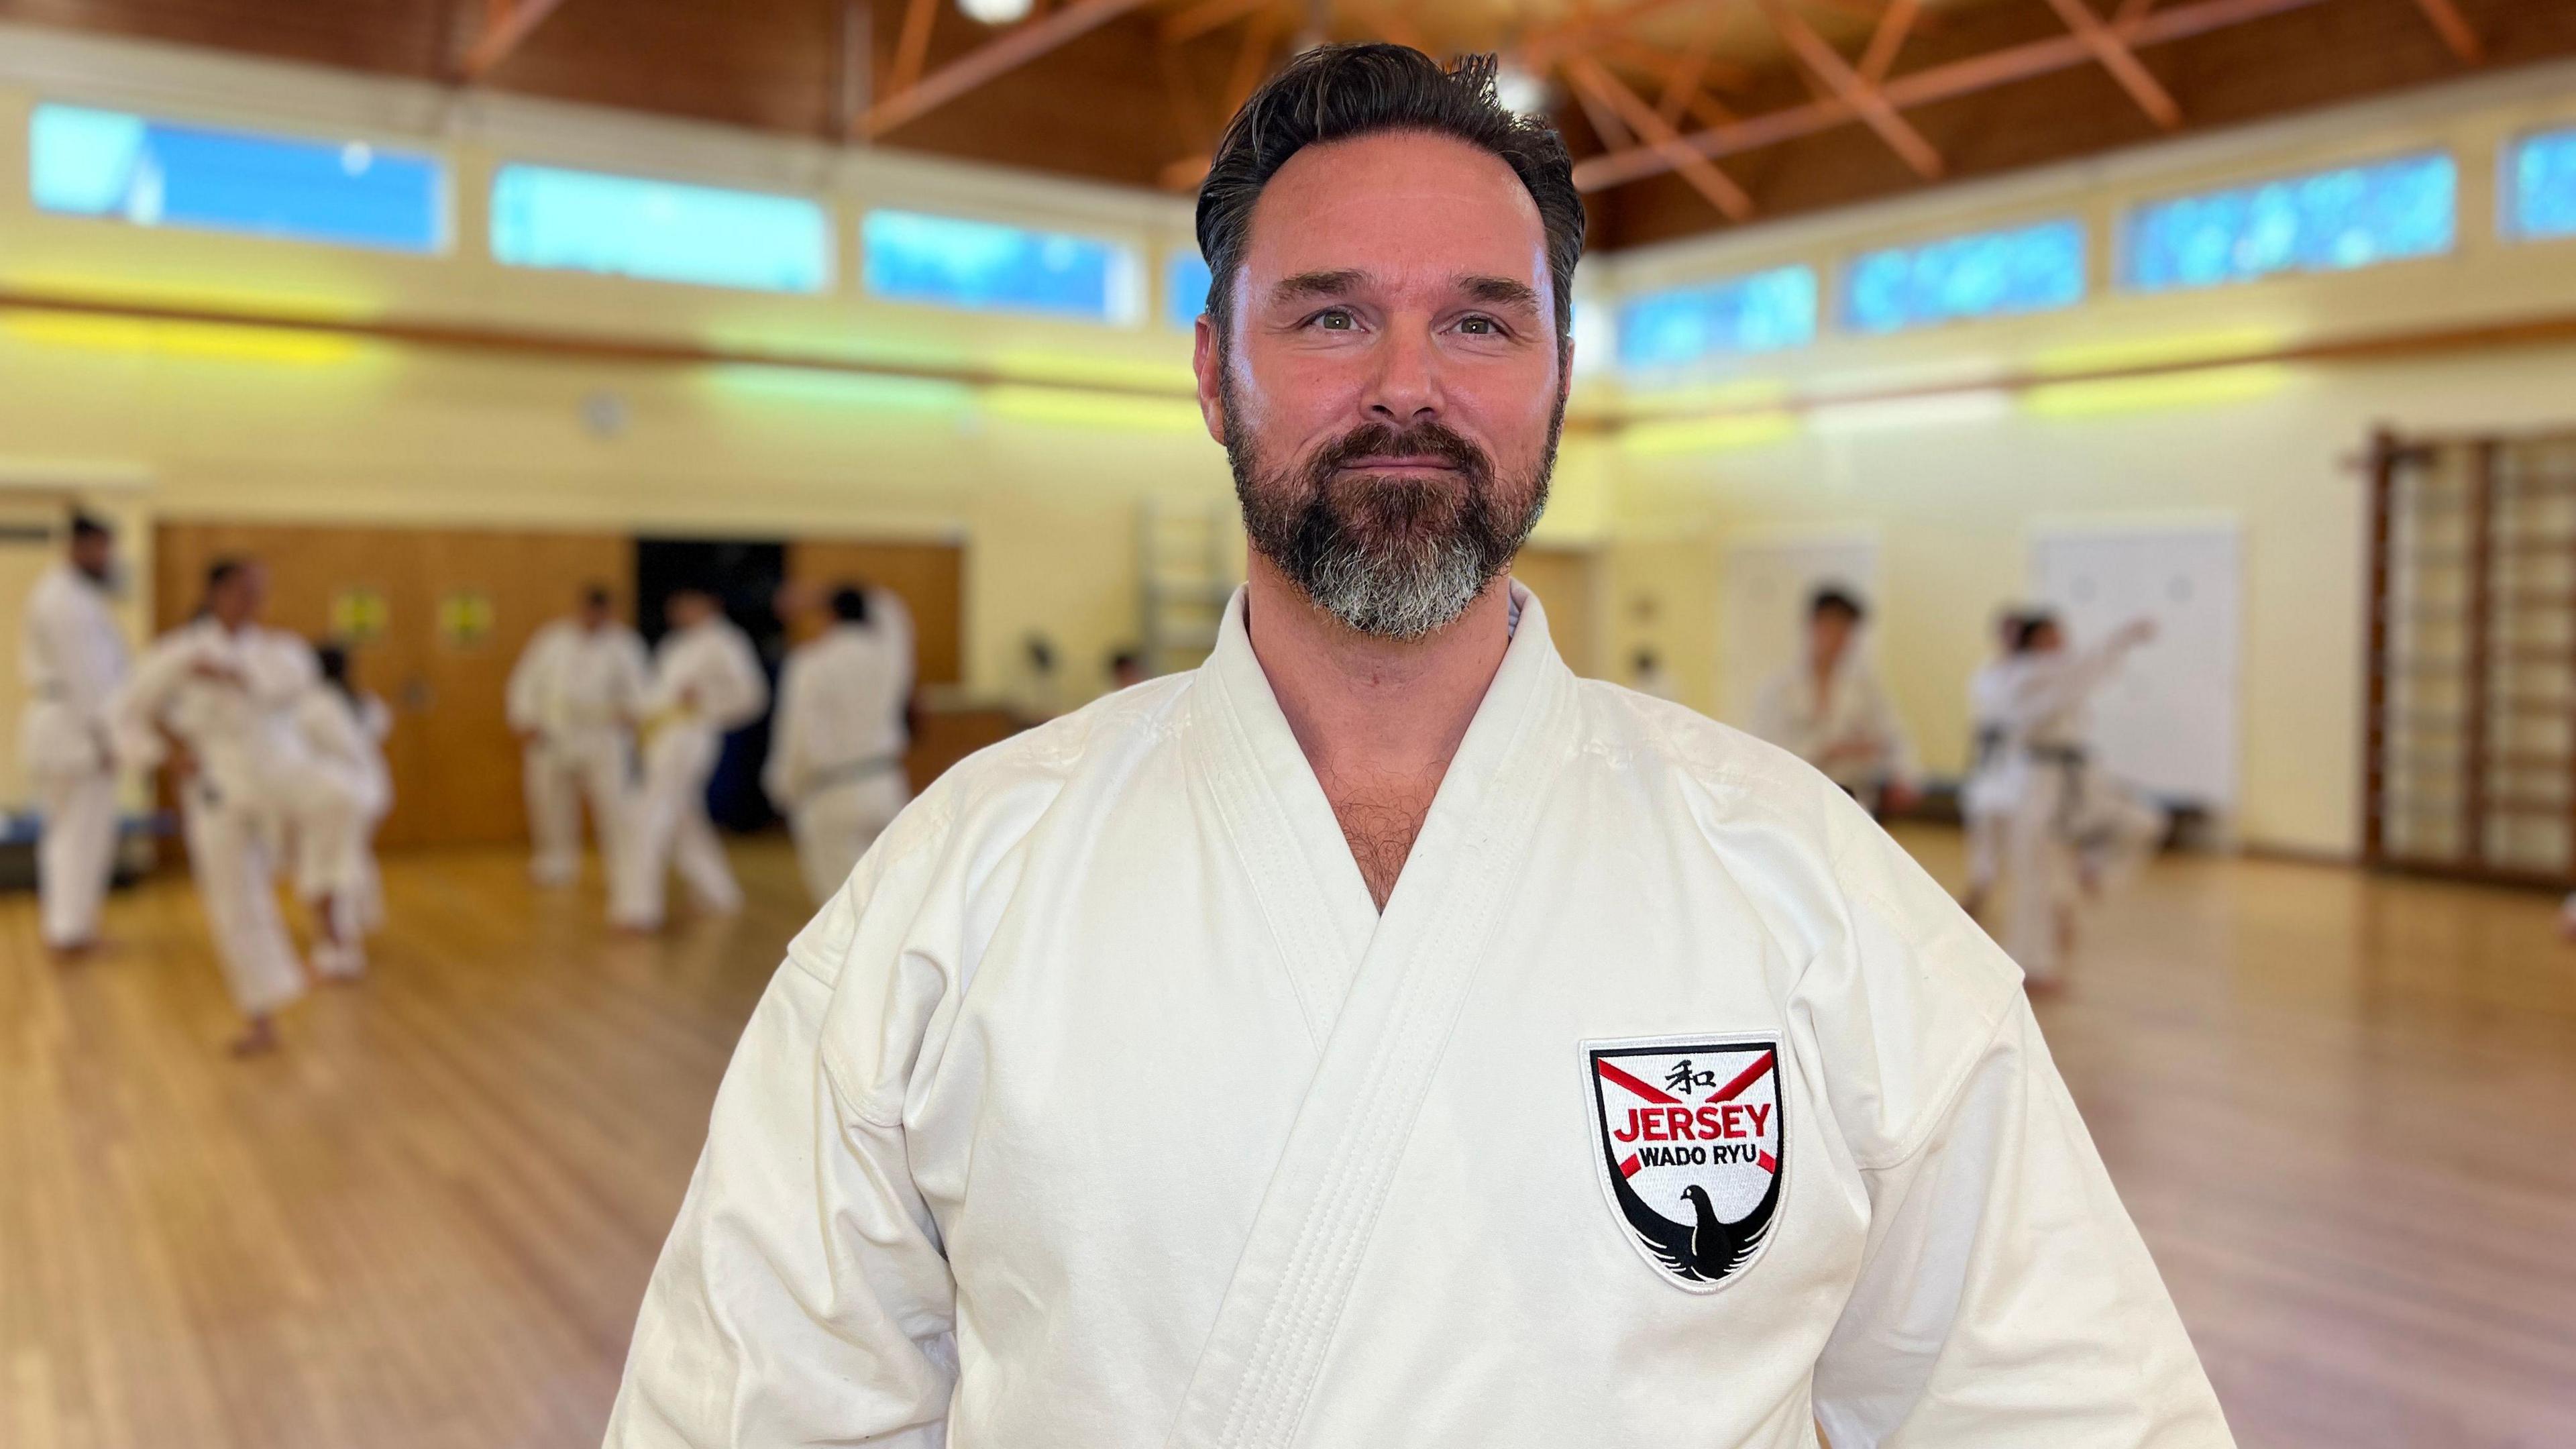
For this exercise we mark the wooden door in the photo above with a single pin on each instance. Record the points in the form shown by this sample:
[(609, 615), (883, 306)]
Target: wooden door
[(929, 577), (446, 611)]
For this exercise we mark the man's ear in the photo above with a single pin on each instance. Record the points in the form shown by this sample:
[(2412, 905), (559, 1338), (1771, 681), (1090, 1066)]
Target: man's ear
[(1207, 359)]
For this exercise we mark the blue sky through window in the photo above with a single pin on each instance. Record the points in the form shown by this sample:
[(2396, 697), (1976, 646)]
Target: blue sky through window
[(2540, 182), (1185, 288), (88, 162), (1759, 312), (1983, 274), (988, 266), (659, 231), (2325, 221)]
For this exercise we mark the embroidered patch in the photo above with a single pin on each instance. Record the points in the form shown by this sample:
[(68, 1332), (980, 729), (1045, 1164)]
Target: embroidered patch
[(1691, 1147)]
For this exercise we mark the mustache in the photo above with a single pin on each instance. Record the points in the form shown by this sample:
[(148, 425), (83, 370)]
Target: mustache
[(1382, 440)]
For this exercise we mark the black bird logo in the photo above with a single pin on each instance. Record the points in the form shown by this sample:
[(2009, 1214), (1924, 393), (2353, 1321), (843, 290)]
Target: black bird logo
[(1705, 1249)]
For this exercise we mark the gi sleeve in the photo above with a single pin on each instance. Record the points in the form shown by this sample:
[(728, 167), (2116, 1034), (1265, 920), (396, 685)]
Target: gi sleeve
[(803, 1297), (524, 696), (782, 775), (2005, 1300), (134, 710)]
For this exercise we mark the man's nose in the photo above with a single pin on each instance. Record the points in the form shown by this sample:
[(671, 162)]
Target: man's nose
[(1406, 389)]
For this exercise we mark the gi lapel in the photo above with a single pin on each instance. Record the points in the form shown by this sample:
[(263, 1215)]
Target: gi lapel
[(1312, 896), (1384, 1043)]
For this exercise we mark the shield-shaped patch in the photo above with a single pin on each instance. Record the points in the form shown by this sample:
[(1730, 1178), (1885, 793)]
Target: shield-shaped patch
[(1692, 1145)]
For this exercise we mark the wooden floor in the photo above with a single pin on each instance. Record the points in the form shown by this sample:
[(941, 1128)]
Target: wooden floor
[(2343, 1110)]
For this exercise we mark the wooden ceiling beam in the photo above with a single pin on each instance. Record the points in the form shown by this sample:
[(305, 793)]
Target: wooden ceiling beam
[(506, 25), (1683, 82), (994, 58), (1938, 83), (1207, 15), (2455, 29), (1252, 60), (911, 48), (1605, 119), (1591, 80), (2122, 62), (1542, 50), (1860, 94), (1391, 23), (1894, 24)]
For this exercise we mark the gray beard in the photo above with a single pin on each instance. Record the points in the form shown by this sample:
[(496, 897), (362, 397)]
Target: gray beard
[(1375, 562)]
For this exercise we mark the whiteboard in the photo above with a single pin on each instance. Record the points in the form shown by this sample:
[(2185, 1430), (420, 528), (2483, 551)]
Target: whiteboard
[(2168, 721), (1763, 607)]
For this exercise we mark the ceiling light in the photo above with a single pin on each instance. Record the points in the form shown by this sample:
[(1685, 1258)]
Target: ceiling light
[(1520, 92), (994, 12)]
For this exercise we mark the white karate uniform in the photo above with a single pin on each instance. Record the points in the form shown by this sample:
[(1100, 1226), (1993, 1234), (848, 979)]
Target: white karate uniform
[(337, 860), (254, 786), (706, 681), (1102, 1109), (2062, 815), (1984, 804), (73, 659), (1855, 711), (576, 691), (836, 748)]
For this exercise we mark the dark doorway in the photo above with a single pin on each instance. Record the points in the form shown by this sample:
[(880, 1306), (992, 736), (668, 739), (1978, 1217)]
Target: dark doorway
[(746, 575)]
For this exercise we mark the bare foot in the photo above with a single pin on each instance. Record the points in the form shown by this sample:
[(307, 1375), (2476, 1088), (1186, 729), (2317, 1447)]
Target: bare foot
[(72, 953), (257, 1039)]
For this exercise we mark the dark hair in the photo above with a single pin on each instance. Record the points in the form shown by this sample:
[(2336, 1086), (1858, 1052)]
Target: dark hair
[(850, 604), (223, 570), (1835, 599), (2026, 634), (87, 525), (1340, 92), (595, 596)]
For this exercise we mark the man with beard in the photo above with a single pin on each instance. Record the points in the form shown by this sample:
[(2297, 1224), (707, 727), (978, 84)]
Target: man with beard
[(74, 658), (1378, 1036)]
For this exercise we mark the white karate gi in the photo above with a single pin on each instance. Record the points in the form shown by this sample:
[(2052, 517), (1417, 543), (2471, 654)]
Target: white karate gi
[(1850, 731), (254, 785), (1102, 1110), (73, 659), (337, 859), (706, 681), (1984, 804), (576, 692), (836, 748), (2063, 817)]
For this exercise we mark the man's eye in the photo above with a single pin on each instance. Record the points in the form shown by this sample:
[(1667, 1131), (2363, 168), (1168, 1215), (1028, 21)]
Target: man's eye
[(1478, 326), (1335, 319)]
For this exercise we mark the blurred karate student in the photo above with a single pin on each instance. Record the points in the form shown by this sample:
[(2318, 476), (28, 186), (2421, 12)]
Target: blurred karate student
[(836, 747), (1830, 710), (1982, 810), (706, 681), (573, 701), (73, 660), (343, 731), (2068, 826), (216, 699)]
